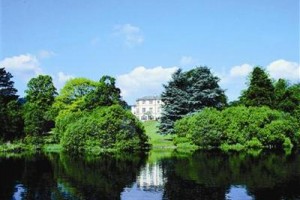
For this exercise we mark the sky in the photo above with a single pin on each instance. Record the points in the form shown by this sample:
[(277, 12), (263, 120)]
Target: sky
[(141, 43)]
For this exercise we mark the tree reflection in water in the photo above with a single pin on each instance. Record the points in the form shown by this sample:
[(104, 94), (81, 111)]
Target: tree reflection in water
[(203, 175)]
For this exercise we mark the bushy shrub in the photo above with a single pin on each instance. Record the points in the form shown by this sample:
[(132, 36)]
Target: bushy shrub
[(206, 135), (240, 128), (105, 129)]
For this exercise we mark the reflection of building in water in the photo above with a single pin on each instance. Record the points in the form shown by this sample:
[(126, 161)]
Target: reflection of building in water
[(151, 178)]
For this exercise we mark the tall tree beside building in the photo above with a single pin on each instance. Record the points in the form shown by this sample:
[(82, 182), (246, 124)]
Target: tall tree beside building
[(11, 123), (39, 99), (189, 92), (260, 91)]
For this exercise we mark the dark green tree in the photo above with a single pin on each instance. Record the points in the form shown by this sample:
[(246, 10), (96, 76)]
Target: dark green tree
[(11, 123), (189, 92), (287, 97), (105, 94), (7, 90), (260, 91), (39, 99)]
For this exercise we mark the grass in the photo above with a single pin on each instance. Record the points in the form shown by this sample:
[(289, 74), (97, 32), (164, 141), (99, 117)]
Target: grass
[(52, 148), (157, 140), (163, 144)]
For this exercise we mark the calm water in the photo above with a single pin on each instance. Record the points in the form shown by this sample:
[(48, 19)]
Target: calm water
[(204, 175)]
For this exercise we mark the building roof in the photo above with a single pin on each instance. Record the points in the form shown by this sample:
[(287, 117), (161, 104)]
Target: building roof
[(149, 98)]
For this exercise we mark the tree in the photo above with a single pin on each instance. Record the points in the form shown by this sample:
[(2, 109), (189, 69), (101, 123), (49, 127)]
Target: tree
[(72, 95), (189, 92), (11, 123), (105, 94), (260, 91), (287, 97), (39, 99), (7, 90)]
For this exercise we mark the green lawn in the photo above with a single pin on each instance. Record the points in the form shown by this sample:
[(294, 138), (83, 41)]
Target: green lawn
[(157, 140)]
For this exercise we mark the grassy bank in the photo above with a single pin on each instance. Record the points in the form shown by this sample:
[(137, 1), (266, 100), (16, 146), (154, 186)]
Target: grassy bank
[(160, 142), (156, 140)]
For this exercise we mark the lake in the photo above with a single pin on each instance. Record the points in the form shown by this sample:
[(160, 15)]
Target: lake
[(158, 175)]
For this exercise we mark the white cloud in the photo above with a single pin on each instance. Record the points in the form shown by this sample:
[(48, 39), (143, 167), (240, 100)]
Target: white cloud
[(234, 80), (23, 66), (284, 69), (131, 34), (45, 54), (187, 60), (142, 81), (241, 70), (60, 79)]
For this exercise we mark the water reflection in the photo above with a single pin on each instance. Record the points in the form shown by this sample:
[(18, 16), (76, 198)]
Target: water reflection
[(151, 177), (238, 192), (149, 183), (203, 175), (19, 192)]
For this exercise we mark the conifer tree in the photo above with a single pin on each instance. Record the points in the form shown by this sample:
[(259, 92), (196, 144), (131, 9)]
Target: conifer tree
[(260, 91), (287, 97), (189, 92), (11, 123)]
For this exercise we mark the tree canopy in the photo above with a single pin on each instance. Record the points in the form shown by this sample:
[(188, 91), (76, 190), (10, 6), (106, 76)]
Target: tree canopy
[(260, 91), (39, 99), (11, 122), (189, 92), (92, 118)]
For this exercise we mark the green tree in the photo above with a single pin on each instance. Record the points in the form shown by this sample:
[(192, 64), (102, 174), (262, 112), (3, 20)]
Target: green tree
[(287, 98), (104, 129), (260, 91), (189, 92), (39, 99), (240, 127), (105, 94), (11, 123), (71, 96)]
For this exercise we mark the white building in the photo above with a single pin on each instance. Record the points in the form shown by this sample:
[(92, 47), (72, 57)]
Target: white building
[(147, 108)]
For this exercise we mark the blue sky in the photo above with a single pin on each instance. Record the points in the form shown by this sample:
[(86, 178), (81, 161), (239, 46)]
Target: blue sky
[(142, 42)]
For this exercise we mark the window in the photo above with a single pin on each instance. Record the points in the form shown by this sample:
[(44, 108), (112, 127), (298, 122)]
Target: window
[(143, 110), (150, 109), (137, 110), (158, 101), (150, 101), (143, 101)]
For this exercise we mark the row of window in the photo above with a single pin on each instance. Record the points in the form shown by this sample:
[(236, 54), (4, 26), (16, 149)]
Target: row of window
[(145, 110), (148, 101)]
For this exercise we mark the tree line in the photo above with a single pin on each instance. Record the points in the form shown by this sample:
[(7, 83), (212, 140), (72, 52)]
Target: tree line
[(90, 117), (87, 117), (266, 115)]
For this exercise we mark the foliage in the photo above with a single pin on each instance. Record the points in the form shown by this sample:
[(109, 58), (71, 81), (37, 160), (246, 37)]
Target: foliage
[(11, 122), (39, 99), (189, 92), (105, 94), (287, 97), (107, 129), (239, 128), (260, 91), (71, 96), (90, 118)]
